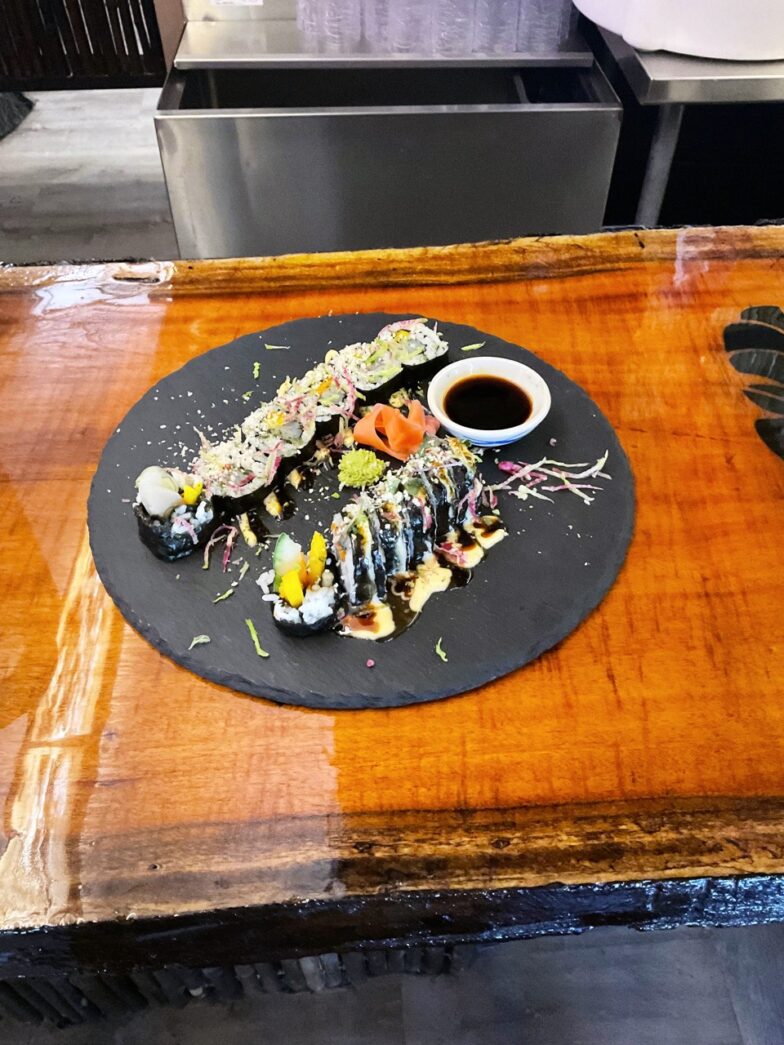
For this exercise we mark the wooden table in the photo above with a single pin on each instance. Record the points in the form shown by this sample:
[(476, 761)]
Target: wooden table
[(633, 775)]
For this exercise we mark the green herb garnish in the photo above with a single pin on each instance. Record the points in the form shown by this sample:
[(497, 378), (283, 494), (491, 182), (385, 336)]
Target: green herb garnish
[(473, 348), (254, 636), (256, 370), (226, 594), (246, 395), (277, 348), (440, 652), (199, 640)]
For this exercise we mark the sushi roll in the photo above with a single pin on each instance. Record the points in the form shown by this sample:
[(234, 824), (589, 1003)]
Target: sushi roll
[(416, 346), (173, 512), (305, 600), (370, 366), (448, 469), (402, 351), (331, 388), (286, 426), (396, 538), (357, 556), (397, 526), (235, 469), (421, 520)]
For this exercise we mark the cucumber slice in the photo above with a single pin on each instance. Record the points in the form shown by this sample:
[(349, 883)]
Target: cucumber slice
[(286, 556)]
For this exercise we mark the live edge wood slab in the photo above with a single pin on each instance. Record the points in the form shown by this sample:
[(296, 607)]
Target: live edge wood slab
[(633, 775)]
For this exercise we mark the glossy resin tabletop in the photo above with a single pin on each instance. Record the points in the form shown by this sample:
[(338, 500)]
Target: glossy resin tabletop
[(633, 773)]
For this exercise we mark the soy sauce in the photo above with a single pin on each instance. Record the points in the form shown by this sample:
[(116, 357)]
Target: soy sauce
[(487, 402)]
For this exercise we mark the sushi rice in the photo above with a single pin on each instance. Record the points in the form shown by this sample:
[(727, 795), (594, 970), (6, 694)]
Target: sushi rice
[(318, 605)]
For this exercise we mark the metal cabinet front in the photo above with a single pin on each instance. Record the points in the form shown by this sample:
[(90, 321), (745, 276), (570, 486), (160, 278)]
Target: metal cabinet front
[(280, 176)]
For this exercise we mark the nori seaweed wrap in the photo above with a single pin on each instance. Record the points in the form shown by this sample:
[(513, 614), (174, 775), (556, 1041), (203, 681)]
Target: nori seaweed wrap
[(395, 526), (173, 512)]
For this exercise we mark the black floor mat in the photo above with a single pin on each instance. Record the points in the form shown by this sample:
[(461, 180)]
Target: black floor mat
[(13, 109)]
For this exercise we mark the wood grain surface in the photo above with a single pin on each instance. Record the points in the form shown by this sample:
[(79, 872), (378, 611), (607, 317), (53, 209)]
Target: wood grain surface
[(647, 746)]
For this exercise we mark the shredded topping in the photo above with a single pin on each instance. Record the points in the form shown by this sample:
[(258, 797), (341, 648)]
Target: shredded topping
[(548, 476), (255, 638), (223, 532)]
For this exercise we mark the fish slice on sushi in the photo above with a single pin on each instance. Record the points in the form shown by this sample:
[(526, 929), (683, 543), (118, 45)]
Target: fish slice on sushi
[(173, 512)]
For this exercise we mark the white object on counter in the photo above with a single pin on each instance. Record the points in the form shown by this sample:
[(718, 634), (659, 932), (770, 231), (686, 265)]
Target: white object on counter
[(532, 383), (739, 30)]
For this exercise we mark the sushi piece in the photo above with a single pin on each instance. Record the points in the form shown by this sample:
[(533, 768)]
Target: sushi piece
[(402, 351), (359, 560), (396, 538), (377, 554), (286, 426), (370, 366), (235, 470), (330, 387), (173, 512), (415, 345), (305, 600), (447, 470), (421, 520)]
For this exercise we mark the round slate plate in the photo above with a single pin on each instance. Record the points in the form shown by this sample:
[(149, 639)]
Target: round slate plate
[(535, 587)]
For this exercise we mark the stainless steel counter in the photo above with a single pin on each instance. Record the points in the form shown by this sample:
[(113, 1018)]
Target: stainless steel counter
[(672, 81), (660, 78), (278, 44)]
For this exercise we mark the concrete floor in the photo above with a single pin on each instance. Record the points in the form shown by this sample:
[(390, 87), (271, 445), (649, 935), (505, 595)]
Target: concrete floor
[(608, 987), (80, 180)]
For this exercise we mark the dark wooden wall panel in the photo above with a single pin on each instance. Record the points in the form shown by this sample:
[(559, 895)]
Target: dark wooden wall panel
[(51, 44)]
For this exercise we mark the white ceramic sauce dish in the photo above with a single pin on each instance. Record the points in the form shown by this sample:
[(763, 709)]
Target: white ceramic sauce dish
[(534, 386)]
